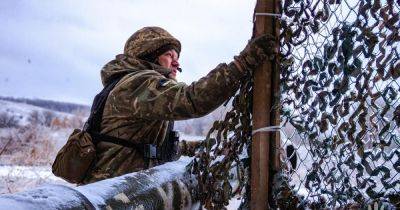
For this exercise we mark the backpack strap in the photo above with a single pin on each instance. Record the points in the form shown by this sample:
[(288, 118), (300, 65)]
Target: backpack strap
[(93, 125), (97, 137)]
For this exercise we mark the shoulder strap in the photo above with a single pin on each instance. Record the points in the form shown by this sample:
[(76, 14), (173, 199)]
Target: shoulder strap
[(96, 137), (93, 126), (96, 113)]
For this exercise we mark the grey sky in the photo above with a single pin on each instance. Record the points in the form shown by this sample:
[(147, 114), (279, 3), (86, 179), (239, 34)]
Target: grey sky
[(55, 49)]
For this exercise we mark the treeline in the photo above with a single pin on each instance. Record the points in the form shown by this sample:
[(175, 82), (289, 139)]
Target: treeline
[(49, 104)]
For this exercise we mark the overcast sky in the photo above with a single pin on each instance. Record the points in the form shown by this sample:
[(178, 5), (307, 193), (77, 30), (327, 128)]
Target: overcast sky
[(55, 49)]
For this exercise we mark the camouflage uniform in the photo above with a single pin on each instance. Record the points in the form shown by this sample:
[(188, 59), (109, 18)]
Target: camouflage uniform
[(143, 102)]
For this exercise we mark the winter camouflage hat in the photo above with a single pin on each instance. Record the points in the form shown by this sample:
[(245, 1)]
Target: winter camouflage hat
[(148, 40)]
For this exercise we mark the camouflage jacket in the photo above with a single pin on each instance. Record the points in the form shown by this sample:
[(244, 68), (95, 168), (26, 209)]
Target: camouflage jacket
[(143, 102)]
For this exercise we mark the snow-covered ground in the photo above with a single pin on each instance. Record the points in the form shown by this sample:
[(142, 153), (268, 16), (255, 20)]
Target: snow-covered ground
[(22, 112), (20, 178), (28, 172), (29, 146)]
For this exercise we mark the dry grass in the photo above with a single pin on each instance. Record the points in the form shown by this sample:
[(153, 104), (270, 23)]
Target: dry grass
[(29, 145), (33, 147)]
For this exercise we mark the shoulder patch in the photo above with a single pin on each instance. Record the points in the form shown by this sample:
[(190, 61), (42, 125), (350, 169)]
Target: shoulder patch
[(163, 82)]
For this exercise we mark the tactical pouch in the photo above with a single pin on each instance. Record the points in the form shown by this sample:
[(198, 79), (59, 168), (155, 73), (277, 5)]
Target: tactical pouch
[(75, 157), (78, 155)]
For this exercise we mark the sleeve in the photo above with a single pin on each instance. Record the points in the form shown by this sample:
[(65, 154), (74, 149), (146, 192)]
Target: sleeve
[(165, 99)]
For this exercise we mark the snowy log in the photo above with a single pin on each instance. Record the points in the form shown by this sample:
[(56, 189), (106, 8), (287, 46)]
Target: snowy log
[(162, 187)]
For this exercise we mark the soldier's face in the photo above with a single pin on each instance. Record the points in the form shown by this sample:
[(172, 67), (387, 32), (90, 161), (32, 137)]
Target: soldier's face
[(170, 60)]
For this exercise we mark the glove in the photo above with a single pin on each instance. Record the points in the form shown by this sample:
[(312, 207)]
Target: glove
[(256, 52)]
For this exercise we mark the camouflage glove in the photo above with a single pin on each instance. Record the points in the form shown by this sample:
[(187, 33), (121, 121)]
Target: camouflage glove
[(256, 52)]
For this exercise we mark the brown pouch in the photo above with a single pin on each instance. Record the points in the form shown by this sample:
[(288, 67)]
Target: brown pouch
[(75, 157)]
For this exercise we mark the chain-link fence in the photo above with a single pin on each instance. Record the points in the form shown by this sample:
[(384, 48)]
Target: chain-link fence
[(340, 83)]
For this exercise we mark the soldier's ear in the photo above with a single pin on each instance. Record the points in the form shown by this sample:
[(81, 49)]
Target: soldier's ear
[(156, 61)]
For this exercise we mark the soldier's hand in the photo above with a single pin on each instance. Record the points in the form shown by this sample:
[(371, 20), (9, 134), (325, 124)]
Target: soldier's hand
[(256, 52)]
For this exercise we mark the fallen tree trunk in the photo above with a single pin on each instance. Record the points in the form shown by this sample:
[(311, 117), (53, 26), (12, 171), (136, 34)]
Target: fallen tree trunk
[(162, 187)]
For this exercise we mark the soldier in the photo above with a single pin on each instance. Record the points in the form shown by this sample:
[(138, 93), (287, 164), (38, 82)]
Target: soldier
[(147, 99)]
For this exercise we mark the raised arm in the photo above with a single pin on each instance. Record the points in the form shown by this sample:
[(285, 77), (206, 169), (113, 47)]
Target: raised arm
[(160, 98)]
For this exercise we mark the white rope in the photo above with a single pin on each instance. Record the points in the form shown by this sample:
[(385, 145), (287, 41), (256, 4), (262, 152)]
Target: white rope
[(267, 129), (267, 14)]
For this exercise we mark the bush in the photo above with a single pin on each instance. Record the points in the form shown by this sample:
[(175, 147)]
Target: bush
[(7, 120), (34, 118), (48, 117)]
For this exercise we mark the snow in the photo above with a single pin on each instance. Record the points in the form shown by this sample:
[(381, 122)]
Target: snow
[(40, 144), (59, 196), (23, 111), (191, 137), (97, 192), (30, 172), (44, 197), (19, 178), (234, 203)]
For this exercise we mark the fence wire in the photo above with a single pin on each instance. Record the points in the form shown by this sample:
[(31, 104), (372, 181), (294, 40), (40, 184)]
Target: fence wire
[(340, 102)]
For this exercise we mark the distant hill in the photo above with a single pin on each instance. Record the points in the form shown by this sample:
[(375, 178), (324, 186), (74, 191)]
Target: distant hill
[(49, 104), (17, 114)]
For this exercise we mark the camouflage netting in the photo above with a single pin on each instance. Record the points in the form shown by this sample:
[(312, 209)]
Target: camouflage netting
[(340, 103), (340, 112), (222, 166)]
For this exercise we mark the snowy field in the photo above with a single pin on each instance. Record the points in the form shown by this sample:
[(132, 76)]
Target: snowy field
[(30, 137)]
